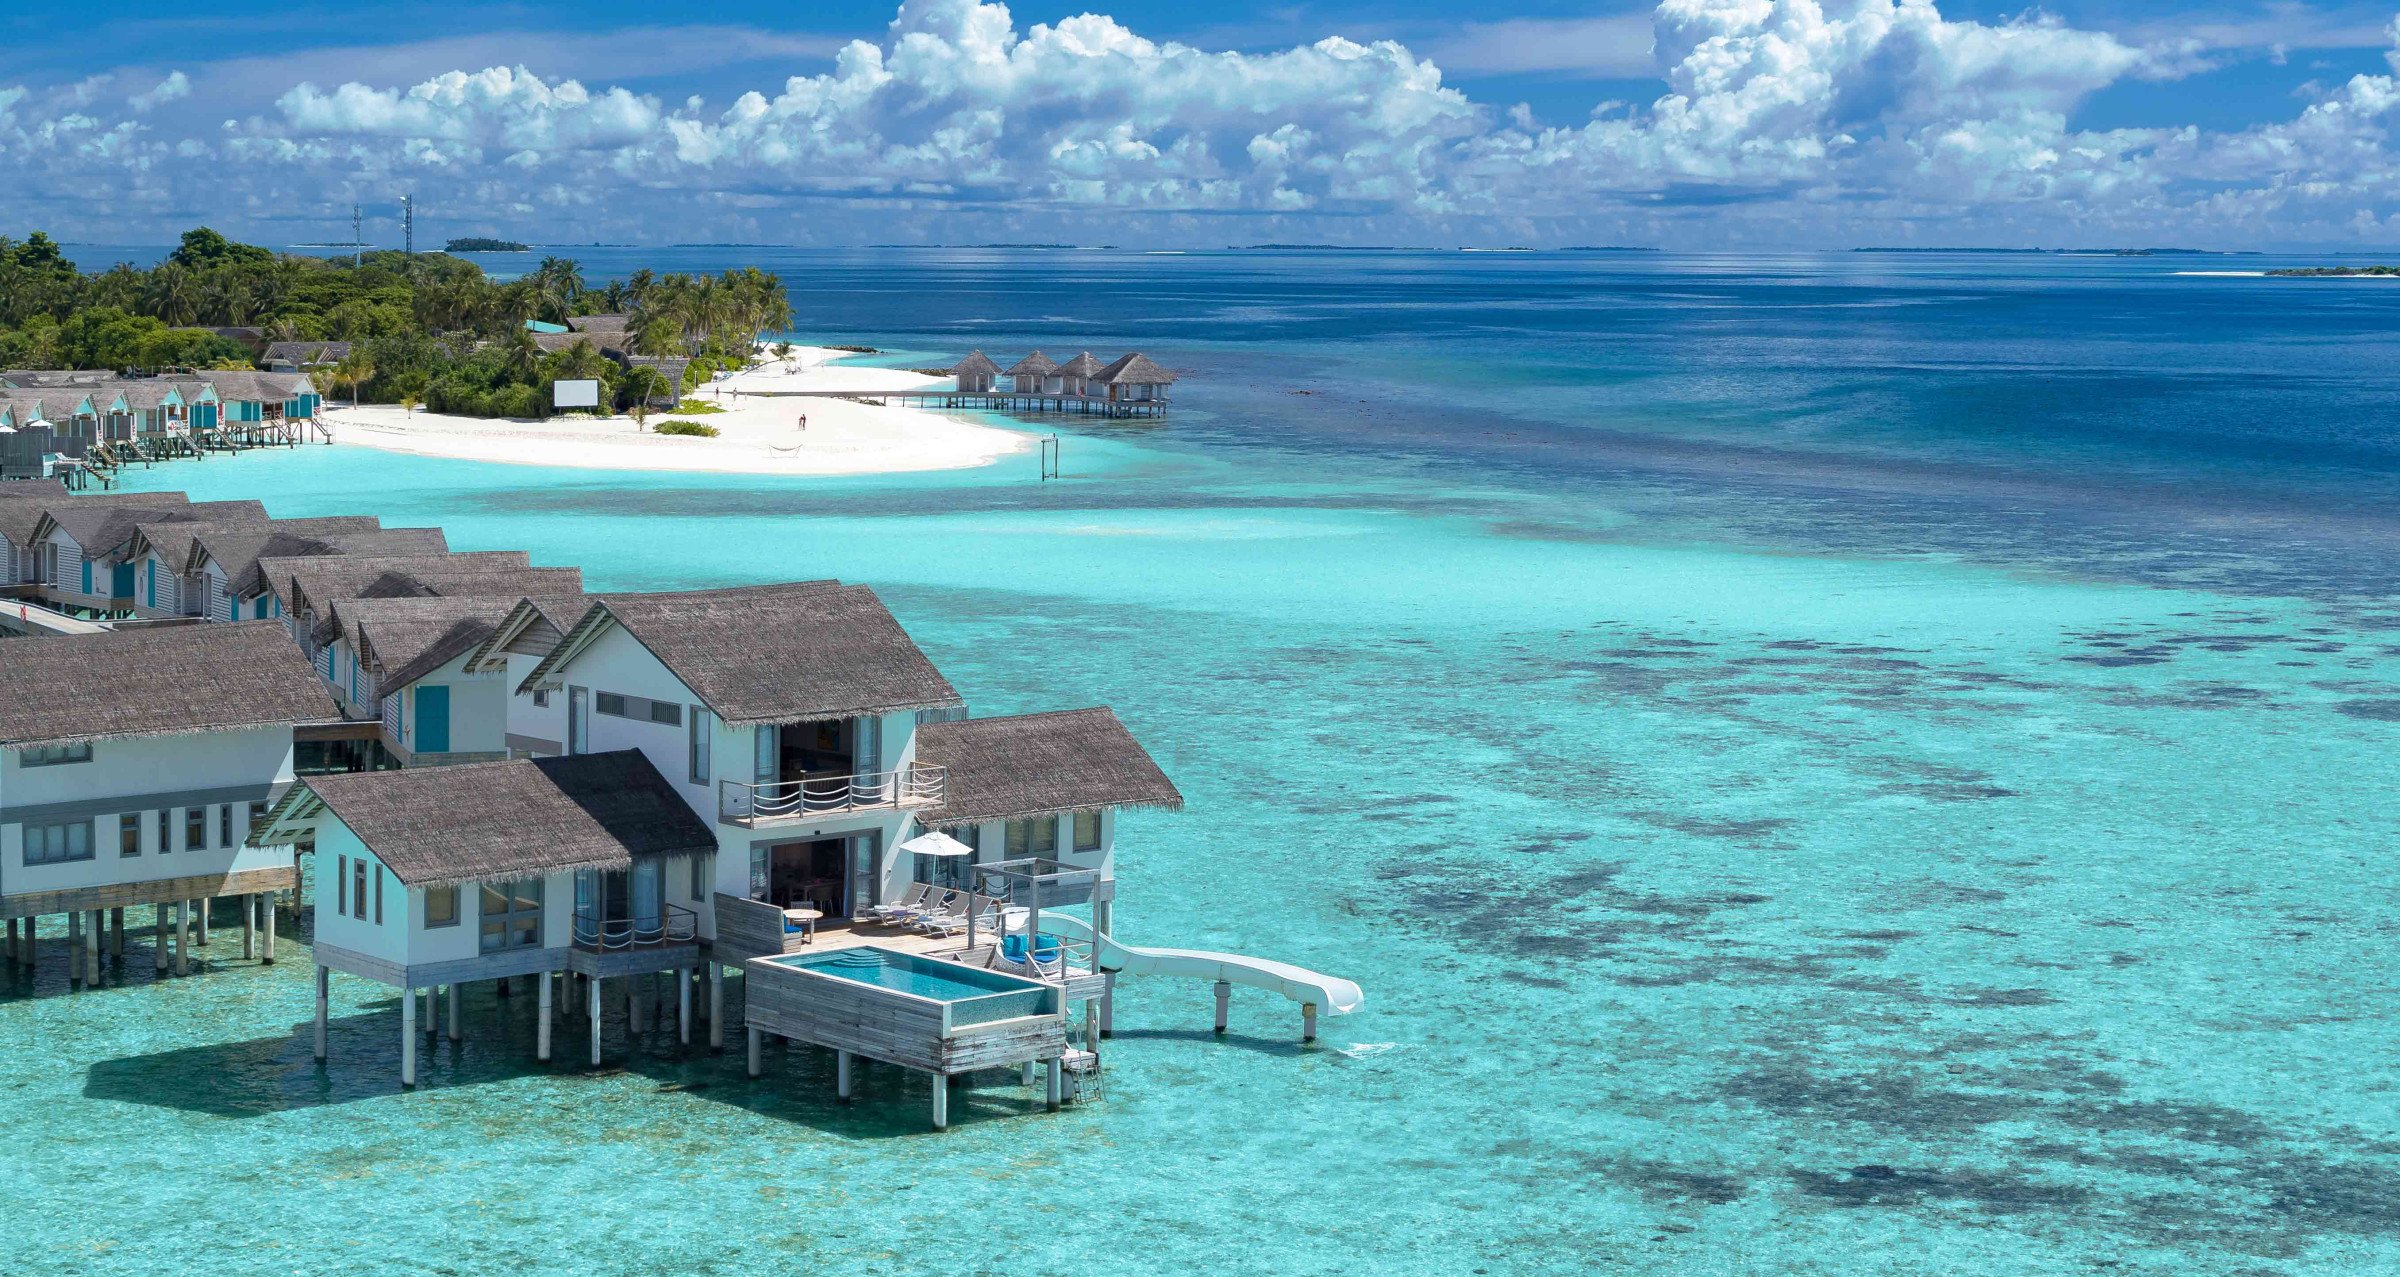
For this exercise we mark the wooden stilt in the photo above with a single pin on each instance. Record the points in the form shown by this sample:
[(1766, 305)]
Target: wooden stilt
[(941, 1102), (183, 937), (433, 1019), (454, 995), (1091, 1025), (1108, 1005), (200, 915), (716, 1007), (91, 945), (75, 949), (1308, 1021), (757, 1043), (249, 928), (158, 936), (1056, 1088), (324, 997), (408, 1037), (116, 931), (12, 941), (591, 986), (1224, 1003), (683, 1006), (844, 1079), (266, 910), (541, 1039)]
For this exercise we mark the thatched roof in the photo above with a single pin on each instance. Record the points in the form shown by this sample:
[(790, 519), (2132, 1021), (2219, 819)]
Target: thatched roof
[(598, 323), (103, 531), (21, 521), (33, 490), (1082, 365), (318, 579), (245, 577), (306, 352), (540, 619), (145, 394), (486, 822), (1036, 364), (236, 546), (403, 640), (177, 541), (1133, 370), (770, 653), (1038, 765), (156, 682), (976, 363), (259, 387)]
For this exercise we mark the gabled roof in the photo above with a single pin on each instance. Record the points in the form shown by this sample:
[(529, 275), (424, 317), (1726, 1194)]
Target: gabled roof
[(1036, 364), (33, 490), (1133, 370), (249, 579), (260, 387), (160, 681), (403, 640), (21, 521), (535, 619), (102, 531), (1038, 765), (145, 394), (307, 352), (975, 362), (324, 578), (485, 822), (1082, 365), (598, 323), (177, 542), (769, 653)]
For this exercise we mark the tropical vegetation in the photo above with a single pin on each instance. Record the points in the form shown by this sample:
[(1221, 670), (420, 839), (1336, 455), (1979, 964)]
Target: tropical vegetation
[(695, 428), (427, 329)]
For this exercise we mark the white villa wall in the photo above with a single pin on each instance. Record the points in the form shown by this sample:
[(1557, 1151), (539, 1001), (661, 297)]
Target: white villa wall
[(479, 707), (68, 585), (402, 938), (537, 730), (140, 776)]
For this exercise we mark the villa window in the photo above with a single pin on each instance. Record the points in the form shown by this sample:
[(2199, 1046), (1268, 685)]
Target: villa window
[(54, 755), (225, 824), (163, 835), (258, 819), (129, 834), (512, 915), (341, 886), (59, 843), (1087, 831), (541, 700), (358, 889), (379, 895), (703, 728), (195, 828), (441, 907), (639, 708), (1035, 837)]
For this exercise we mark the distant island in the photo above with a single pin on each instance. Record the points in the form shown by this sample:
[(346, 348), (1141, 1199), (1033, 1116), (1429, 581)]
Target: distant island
[(479, 244), (2337, 271), (1314, 248), (1605, 248), (2072, 252)]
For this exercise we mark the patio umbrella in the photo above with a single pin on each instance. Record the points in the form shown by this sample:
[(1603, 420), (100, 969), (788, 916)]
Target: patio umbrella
[(936, 843)]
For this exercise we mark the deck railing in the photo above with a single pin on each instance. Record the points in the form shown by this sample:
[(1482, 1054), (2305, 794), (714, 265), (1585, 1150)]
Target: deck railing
[(671, 926), (913, 786)]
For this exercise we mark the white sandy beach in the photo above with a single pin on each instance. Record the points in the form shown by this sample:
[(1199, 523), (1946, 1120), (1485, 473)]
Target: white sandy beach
[(758, 434)]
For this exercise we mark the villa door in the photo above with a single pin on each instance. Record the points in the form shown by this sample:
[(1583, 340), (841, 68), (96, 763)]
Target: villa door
[(814, 874), (616, 906)]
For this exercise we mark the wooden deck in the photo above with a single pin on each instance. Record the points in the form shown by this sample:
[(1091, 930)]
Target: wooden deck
[(993, 400)]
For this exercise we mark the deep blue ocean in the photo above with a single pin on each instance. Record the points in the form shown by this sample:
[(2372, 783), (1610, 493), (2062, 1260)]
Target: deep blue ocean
[(1826, 764)]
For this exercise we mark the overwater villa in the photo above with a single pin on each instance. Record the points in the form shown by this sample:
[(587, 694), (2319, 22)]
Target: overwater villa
[(65, 423), (627, 799), (135, 766), (1131, 385)]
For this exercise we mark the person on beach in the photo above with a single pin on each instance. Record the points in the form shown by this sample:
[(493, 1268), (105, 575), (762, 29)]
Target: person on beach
[(804, 423)]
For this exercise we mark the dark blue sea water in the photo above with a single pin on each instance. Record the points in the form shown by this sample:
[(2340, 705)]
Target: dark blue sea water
[(1823, 764)]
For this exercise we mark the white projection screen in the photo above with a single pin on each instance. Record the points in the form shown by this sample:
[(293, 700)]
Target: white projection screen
[(575, 394)]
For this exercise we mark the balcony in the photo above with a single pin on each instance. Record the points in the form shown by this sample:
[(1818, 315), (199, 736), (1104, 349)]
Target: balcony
[(671, 926), (787, 801)]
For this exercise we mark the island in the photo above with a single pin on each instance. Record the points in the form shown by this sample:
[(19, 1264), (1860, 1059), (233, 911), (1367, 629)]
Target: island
[(480, 244), (2337, 272)]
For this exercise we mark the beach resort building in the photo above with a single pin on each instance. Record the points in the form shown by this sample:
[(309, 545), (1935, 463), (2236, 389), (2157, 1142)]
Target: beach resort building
[(976, 373), (1035, 374), (134, 766)]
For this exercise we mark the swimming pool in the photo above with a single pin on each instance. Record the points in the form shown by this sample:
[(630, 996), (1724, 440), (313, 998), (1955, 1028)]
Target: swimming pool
[(910, 974)]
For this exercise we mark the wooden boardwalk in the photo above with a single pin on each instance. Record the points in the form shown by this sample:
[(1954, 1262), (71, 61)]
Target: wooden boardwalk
[(990, 400)]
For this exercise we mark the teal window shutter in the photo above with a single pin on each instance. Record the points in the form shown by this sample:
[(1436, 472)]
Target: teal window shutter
[(87, 576)]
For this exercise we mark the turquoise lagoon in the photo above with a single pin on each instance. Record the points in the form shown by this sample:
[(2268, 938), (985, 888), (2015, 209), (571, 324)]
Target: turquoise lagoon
[(1822, 766)]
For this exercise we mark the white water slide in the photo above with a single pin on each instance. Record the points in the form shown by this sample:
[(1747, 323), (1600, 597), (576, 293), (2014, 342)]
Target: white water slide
[(1329, 994)]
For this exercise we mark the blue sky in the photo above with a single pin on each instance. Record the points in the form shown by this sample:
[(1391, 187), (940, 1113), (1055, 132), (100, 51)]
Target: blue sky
[(2247, 123)]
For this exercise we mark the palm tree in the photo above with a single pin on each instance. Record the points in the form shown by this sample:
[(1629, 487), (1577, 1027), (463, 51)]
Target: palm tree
[(644, 383), (356, 370), (555, 285), (173, 295)]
